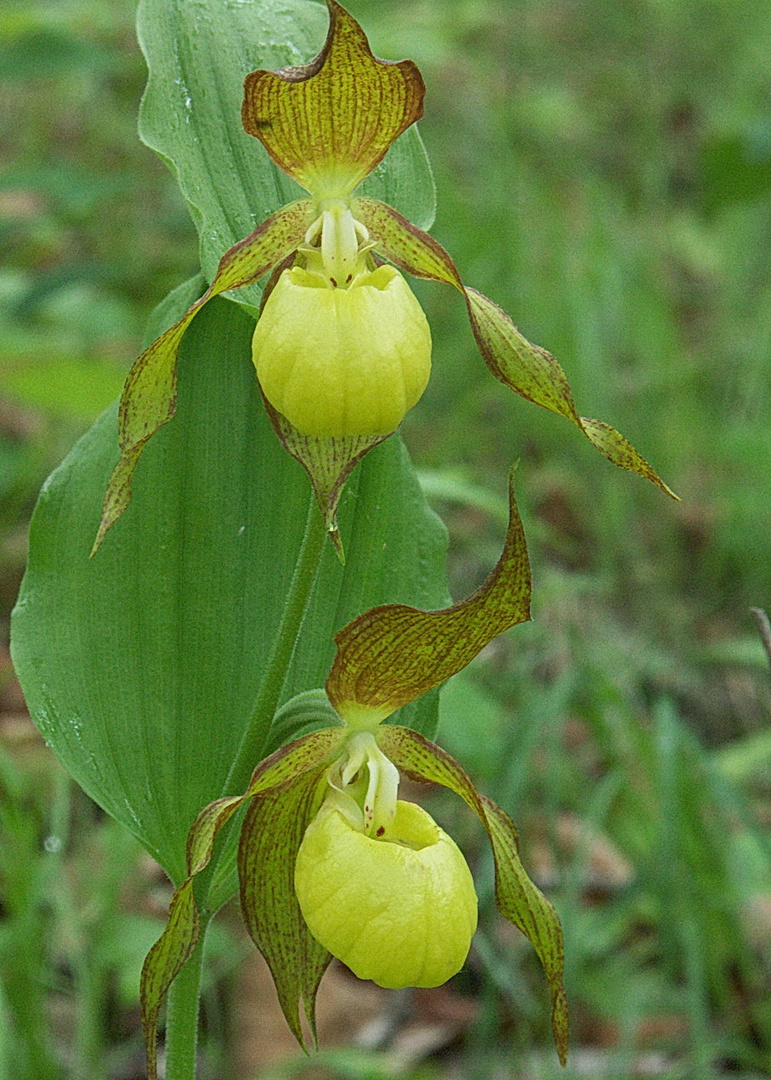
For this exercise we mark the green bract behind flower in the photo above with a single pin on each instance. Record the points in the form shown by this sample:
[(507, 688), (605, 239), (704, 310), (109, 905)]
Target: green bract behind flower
[(398, 908)]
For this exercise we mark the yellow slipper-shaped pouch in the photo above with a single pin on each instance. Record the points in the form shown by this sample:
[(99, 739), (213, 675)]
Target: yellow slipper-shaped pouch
[(342, 361), (399, 909)]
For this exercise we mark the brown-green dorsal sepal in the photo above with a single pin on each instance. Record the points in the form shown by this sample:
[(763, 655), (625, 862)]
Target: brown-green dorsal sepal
[(329, 123), (392, 654), (527, 369), (518, 899), (149, 397)]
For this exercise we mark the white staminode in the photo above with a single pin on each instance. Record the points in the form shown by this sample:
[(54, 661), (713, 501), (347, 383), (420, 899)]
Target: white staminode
[(347, 778), (336, 245)]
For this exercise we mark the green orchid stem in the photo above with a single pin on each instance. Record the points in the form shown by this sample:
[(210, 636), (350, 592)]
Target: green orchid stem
[(184, 994), (300, 589), (182, 1015)]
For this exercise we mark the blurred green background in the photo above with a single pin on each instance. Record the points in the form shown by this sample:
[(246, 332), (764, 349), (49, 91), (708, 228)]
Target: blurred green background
[(604, 173)]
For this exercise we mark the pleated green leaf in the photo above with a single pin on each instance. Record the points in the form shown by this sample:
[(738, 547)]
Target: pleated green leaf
[(198, 55), (518, 899), (303, 713), (142, 665)]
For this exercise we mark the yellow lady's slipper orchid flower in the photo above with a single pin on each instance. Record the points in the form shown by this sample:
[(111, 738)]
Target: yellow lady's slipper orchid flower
[(341, 348), (379, 884), (330, 861), (340, 360)]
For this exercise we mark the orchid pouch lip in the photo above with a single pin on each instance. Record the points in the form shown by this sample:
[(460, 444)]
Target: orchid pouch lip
[(342, 361), (399, 908)]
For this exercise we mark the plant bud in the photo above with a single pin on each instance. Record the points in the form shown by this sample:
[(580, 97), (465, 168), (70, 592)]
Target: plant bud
[(399, 909), (342, 361)]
